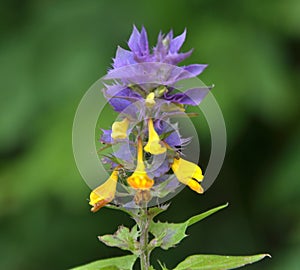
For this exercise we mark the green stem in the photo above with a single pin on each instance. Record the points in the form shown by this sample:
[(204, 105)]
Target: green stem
[(144, 239)]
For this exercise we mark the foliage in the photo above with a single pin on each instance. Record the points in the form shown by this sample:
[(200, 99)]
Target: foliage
[(118, 263), (165, 235)]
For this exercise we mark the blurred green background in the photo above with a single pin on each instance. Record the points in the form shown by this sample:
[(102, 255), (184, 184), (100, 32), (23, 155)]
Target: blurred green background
[(52, 51)]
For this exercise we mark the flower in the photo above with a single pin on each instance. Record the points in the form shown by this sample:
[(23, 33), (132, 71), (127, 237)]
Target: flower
[(188, 173), (105, 193), (154, 145), (139, 179), (119, 129)]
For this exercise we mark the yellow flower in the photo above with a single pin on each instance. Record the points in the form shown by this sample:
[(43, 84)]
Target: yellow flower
[(188, 173), (154, 145), (150, 102), (139, 179), (119, 129), (105, 193)]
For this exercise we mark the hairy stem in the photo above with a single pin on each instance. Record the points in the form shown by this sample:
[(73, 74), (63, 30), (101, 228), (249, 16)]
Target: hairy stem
[(144, 239)]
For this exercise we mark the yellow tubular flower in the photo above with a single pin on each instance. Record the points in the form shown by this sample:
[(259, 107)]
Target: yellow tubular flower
[(150, 102), (188, 173), (154, 145), (105, 193), (139, 179), (119, 129)]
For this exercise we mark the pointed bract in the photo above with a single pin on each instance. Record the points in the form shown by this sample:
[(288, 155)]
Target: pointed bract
[(177, 42)]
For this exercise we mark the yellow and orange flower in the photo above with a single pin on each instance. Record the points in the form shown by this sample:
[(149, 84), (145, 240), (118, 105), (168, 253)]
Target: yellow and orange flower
[(105, 193), (139, 179), (119, 129), (188, 173)]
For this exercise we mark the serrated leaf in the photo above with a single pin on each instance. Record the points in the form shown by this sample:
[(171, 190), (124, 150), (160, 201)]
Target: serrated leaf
[(217, 262), (167, 235), (118, 263), (123, 238)]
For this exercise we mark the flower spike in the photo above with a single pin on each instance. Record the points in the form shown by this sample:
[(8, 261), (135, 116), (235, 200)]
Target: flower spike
[(105, 193), (154, 145), (139, 179), (188, 173)]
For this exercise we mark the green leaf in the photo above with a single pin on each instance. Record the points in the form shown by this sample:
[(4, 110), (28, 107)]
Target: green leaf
[(217, 262), (118, 263), (204, 215), (167, 235), (123, 238)]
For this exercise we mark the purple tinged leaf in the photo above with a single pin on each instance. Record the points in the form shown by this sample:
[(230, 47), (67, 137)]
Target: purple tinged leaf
[(190, 97), (120, 98), (178, 57), (195, 69), (173, 139), (177, 42), (133, 42), (126, 152), (107, 160), (158, 171), (106, 136), (123, 58), (144, 47), (170, 35)]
